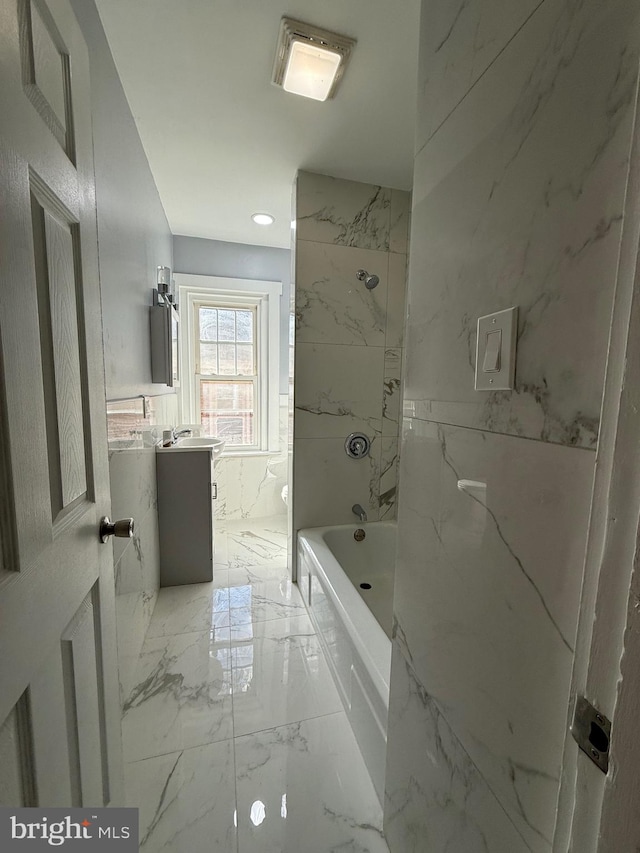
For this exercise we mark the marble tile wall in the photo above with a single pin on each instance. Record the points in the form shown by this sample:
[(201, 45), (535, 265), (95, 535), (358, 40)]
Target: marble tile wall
[(522, 155), (348, 346), (436, 799), (137, 563), (132, 470), (138, 422), (251, 486)]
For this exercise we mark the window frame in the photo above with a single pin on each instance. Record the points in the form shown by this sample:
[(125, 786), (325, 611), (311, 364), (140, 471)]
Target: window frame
[(254, 379), (265, 296)]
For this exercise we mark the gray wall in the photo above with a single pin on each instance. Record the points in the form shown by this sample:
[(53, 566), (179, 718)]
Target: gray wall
[(197, 256), (134, 238), (523, 139), (133, 231)]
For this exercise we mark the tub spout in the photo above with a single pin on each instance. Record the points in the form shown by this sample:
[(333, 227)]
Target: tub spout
[(356, 509)]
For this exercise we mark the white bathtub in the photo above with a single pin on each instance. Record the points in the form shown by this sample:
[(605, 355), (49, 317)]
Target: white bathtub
[(354, 623)]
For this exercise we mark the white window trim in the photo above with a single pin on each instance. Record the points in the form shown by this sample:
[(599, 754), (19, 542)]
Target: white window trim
[(198, 288), (259, 383)]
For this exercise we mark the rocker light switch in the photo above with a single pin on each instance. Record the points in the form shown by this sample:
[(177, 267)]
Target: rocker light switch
[(492, 347), (496, 351)]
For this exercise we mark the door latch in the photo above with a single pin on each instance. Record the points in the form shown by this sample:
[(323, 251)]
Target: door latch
[(592, 732)]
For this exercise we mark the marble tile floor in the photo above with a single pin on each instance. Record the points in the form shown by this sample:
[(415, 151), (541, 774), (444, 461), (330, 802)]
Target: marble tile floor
[(234, 735)]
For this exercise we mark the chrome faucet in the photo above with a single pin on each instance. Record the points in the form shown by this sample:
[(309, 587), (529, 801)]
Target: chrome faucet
[(356, 509), (178, 433)]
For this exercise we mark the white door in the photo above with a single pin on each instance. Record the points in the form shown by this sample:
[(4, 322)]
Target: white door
[(59, 716)]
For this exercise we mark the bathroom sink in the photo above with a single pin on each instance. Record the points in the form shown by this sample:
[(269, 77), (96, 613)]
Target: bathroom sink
[(215, 445), (203, 441)]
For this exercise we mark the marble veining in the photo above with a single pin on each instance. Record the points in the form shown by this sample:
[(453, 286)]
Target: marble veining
[(136, 561), (458, 42), (182, 695), (348, 345), (477, 496), (338, 482), (187, 609), (469, 575), (345, 213), (133, 613), (390, 405), (363, 230), (299, 788), (133, 488), (241, 576), (250, 487), (525, 119), (527, 181), (332, 306), (174, 795), (436, 800), (337, 390), (279, 674), (255, 546), (286, 773), (261, 601), (389, 459)]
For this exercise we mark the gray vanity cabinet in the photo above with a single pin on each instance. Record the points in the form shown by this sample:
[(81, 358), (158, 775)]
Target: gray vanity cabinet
[(186, 491)]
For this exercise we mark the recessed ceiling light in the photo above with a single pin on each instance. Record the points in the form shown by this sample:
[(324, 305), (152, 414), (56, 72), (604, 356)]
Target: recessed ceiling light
[(263, 218), (310, 61)]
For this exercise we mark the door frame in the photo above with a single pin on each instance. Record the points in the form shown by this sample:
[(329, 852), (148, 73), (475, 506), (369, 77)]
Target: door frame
[(598, 812)]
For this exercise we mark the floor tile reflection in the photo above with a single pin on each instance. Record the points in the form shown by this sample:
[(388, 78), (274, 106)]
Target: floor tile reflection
[(234, 735), (304, 787), (262, 601), (279, 675), (190, 608)]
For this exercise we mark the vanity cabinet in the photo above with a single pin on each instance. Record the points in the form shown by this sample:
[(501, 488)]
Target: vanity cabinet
[(186, 491)]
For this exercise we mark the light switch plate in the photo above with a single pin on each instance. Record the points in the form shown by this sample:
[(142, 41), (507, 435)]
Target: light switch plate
[(501, 379)]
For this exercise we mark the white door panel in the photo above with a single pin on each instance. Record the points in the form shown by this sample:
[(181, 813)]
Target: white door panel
[(59, 713)]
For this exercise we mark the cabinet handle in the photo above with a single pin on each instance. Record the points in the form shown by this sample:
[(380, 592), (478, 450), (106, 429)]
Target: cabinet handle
[(214, 491)]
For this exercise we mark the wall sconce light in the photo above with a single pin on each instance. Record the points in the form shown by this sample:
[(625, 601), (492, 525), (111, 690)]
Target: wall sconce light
[(310, 61), (163, 279), (162, 294)]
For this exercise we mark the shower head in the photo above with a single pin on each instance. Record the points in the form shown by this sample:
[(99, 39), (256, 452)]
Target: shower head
[(370, 281)]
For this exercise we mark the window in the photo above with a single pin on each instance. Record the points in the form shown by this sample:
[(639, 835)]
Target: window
[(226, 361), (230, 356)]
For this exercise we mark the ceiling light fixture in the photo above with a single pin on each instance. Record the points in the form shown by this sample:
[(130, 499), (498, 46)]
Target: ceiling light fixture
[(310, 61), (263, 218)]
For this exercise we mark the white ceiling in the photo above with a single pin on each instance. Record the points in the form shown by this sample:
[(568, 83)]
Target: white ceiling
[(223, 142)]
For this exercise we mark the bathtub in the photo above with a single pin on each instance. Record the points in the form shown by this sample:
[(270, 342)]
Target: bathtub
[(354, 623)]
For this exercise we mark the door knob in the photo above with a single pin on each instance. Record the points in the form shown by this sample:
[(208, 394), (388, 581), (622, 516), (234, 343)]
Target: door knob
[(122, 528)]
